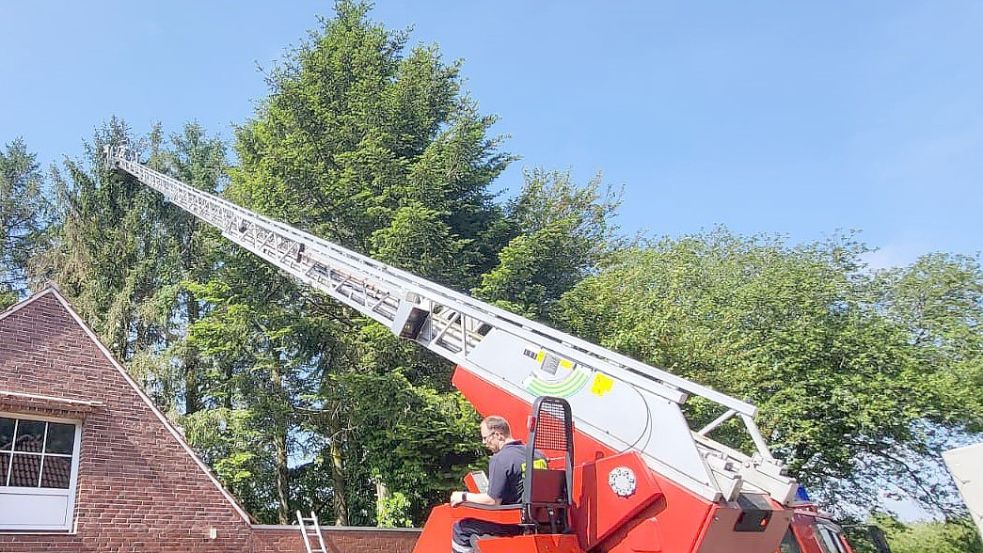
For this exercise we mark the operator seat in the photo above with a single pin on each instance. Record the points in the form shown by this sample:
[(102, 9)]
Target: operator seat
[(546, 492)]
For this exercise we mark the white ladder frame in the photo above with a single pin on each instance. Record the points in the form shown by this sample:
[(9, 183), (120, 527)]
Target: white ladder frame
[(317, 532), (457, 323)]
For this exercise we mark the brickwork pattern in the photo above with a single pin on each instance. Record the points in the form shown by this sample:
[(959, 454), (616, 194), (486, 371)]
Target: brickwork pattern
[(138, 489), (281, 539)]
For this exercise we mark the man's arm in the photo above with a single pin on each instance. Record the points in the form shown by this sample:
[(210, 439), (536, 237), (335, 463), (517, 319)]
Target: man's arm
[(496, 487), (481, 498)]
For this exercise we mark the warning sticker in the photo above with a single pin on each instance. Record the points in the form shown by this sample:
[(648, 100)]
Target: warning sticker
[(602, 384)]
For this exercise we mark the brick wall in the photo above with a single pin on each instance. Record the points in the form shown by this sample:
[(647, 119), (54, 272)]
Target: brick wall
[(139, 487), (283, 539)]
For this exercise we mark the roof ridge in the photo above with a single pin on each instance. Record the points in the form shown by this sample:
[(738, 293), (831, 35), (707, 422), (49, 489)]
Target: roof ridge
[(48, 289)]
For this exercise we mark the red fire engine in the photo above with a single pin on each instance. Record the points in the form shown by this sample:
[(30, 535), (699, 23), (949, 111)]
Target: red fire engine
[(627, 471)]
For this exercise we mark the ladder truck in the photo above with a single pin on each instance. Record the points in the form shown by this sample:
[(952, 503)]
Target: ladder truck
[(640, 479)]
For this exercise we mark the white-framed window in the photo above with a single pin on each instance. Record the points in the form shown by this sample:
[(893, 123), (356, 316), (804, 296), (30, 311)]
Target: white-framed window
[(831, 538), (38, 472), (828, 538)]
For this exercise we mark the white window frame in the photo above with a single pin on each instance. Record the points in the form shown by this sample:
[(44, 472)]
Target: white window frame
[(832, 537), (69, 494), (829, 538)]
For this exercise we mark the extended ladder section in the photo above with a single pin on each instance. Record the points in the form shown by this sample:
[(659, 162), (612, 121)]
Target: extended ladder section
[(619, 401)]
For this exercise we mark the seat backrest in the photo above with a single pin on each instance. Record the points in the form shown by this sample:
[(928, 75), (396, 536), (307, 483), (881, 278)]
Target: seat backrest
[(549, 486), (547, 491)]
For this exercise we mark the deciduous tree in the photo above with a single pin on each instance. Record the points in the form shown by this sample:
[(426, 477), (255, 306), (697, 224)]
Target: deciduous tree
[(854, 379)]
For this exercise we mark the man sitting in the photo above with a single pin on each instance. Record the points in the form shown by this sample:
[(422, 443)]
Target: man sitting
[(505, 482)]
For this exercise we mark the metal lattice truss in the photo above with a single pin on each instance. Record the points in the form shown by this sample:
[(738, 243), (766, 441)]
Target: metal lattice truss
[(628, 405)]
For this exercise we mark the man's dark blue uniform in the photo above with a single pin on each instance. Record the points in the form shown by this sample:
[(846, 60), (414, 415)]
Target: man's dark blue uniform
[(505, 472), (505, 484)]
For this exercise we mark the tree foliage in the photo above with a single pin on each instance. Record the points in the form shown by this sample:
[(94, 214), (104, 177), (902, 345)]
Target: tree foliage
[(835, 364), (562, 232), (862, 377), (938, 537), (360, 141), (955, 536), (24, 213), (102, 256), (376, 148)]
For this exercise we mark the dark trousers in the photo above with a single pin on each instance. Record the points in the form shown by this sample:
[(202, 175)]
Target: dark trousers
[(467, 531)]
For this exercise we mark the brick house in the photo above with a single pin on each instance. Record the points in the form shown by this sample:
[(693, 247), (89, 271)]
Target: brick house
[(88, 463)]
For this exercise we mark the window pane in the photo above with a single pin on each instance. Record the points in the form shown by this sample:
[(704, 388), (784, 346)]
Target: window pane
[(6, 433), (57, 472), (61, 438), (789, 544), (25, 471), (823, 539), (833, 539), (4, 463), (30, 435)]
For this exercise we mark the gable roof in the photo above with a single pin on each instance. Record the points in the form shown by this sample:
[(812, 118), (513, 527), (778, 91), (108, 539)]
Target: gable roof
[(53, 292)]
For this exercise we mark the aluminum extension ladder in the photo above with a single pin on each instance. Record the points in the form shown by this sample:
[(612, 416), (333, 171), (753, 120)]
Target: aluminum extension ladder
[(510, 353), (309, 531)]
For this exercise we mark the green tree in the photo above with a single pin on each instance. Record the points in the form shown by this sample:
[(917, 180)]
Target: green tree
[(261, 356), (357, 136), (23, 218), (801, 331), (103, 257), (375, 147), (938, 300), (120, 253), (562, 232), (957, 536), (194, 251)]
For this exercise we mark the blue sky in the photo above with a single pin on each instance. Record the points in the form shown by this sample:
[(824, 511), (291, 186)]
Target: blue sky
[(776, 117)]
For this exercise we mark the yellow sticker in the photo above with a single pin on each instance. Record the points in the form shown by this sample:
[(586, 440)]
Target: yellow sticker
[(540, 356), (602, 384), (566, 364)]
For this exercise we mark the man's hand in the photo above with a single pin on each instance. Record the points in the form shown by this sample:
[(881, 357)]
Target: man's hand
[(457, 498)]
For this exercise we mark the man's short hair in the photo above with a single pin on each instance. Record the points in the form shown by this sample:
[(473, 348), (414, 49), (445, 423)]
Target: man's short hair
[(494, 423)]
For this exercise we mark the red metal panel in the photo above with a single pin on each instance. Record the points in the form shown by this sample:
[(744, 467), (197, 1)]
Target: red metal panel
[(671, 524), (600, 512), (804, 528), (436, 536), (542, 543)]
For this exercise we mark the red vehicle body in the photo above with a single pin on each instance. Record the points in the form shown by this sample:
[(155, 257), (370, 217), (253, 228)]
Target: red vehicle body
[(660, 517), (612, 500)]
